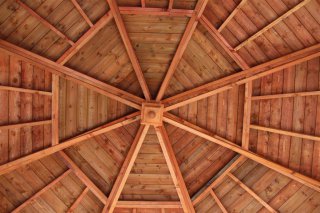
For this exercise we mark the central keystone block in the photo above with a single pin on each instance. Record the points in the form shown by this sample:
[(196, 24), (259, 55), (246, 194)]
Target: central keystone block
[(151, 113)]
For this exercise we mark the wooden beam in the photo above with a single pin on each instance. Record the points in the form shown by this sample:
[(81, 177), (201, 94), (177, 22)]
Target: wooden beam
[(197, 98), (215, 197), (272, 24), (78, 200), (149, 204), (252, 193), (39, 193), (216, 35), (174, 169), (125, 169), (21, 125), (246, 115), (127, 43), (82, 13), (83, 177), (83, 40), (192, 24), (185, 125), (143, 3), (247, 75), (45, 22), (231, 15), (155, 11), (31, 91), (55, 110), (285, 95), (12, 165), (217, 181), (285, 132), (170, 6), (73, 75)]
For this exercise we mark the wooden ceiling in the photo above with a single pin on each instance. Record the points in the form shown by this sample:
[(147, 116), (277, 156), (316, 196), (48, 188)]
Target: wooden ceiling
[(239, 82)]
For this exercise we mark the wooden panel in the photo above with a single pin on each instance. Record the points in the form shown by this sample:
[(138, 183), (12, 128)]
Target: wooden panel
[(19, 107), (155, 40), (82, 109), (297, 114), (104, 57), (101, 157), (150, 178), (203, 61)]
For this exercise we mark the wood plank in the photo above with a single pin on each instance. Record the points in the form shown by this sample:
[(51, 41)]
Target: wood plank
[(55, 110), (43, 190), (103, 21), (82, 13), (155, 11), (286, 95), (231, 15), (174, 169), (27, 124), (31, 91), (310, 182), (45, 22), (83, 177), (246, 75), (78, 200), (272, 24), (10, 166), (192, 24), (149, 204), (215, 197), (125, 169), (284, 132), (247, 116), (131, 53), (252, 193), (73, 75)]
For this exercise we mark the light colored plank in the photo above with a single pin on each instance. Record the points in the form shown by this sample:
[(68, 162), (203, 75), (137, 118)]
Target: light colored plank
[(21, 125), (246, 116), (284, 132), (286, 95), (31, 91), (78, 200), (55, 110), (82, 13), (231, 15), (155, 11), (215, 197), (149, 204)]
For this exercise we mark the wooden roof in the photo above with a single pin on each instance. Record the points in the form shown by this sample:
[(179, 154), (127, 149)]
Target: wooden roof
[(159, 106)]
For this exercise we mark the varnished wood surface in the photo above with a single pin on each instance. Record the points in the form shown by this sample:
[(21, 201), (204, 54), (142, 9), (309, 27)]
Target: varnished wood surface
[(284, 104)]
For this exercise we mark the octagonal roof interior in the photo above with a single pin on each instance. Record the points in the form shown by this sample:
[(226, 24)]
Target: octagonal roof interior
[(239, 81)]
